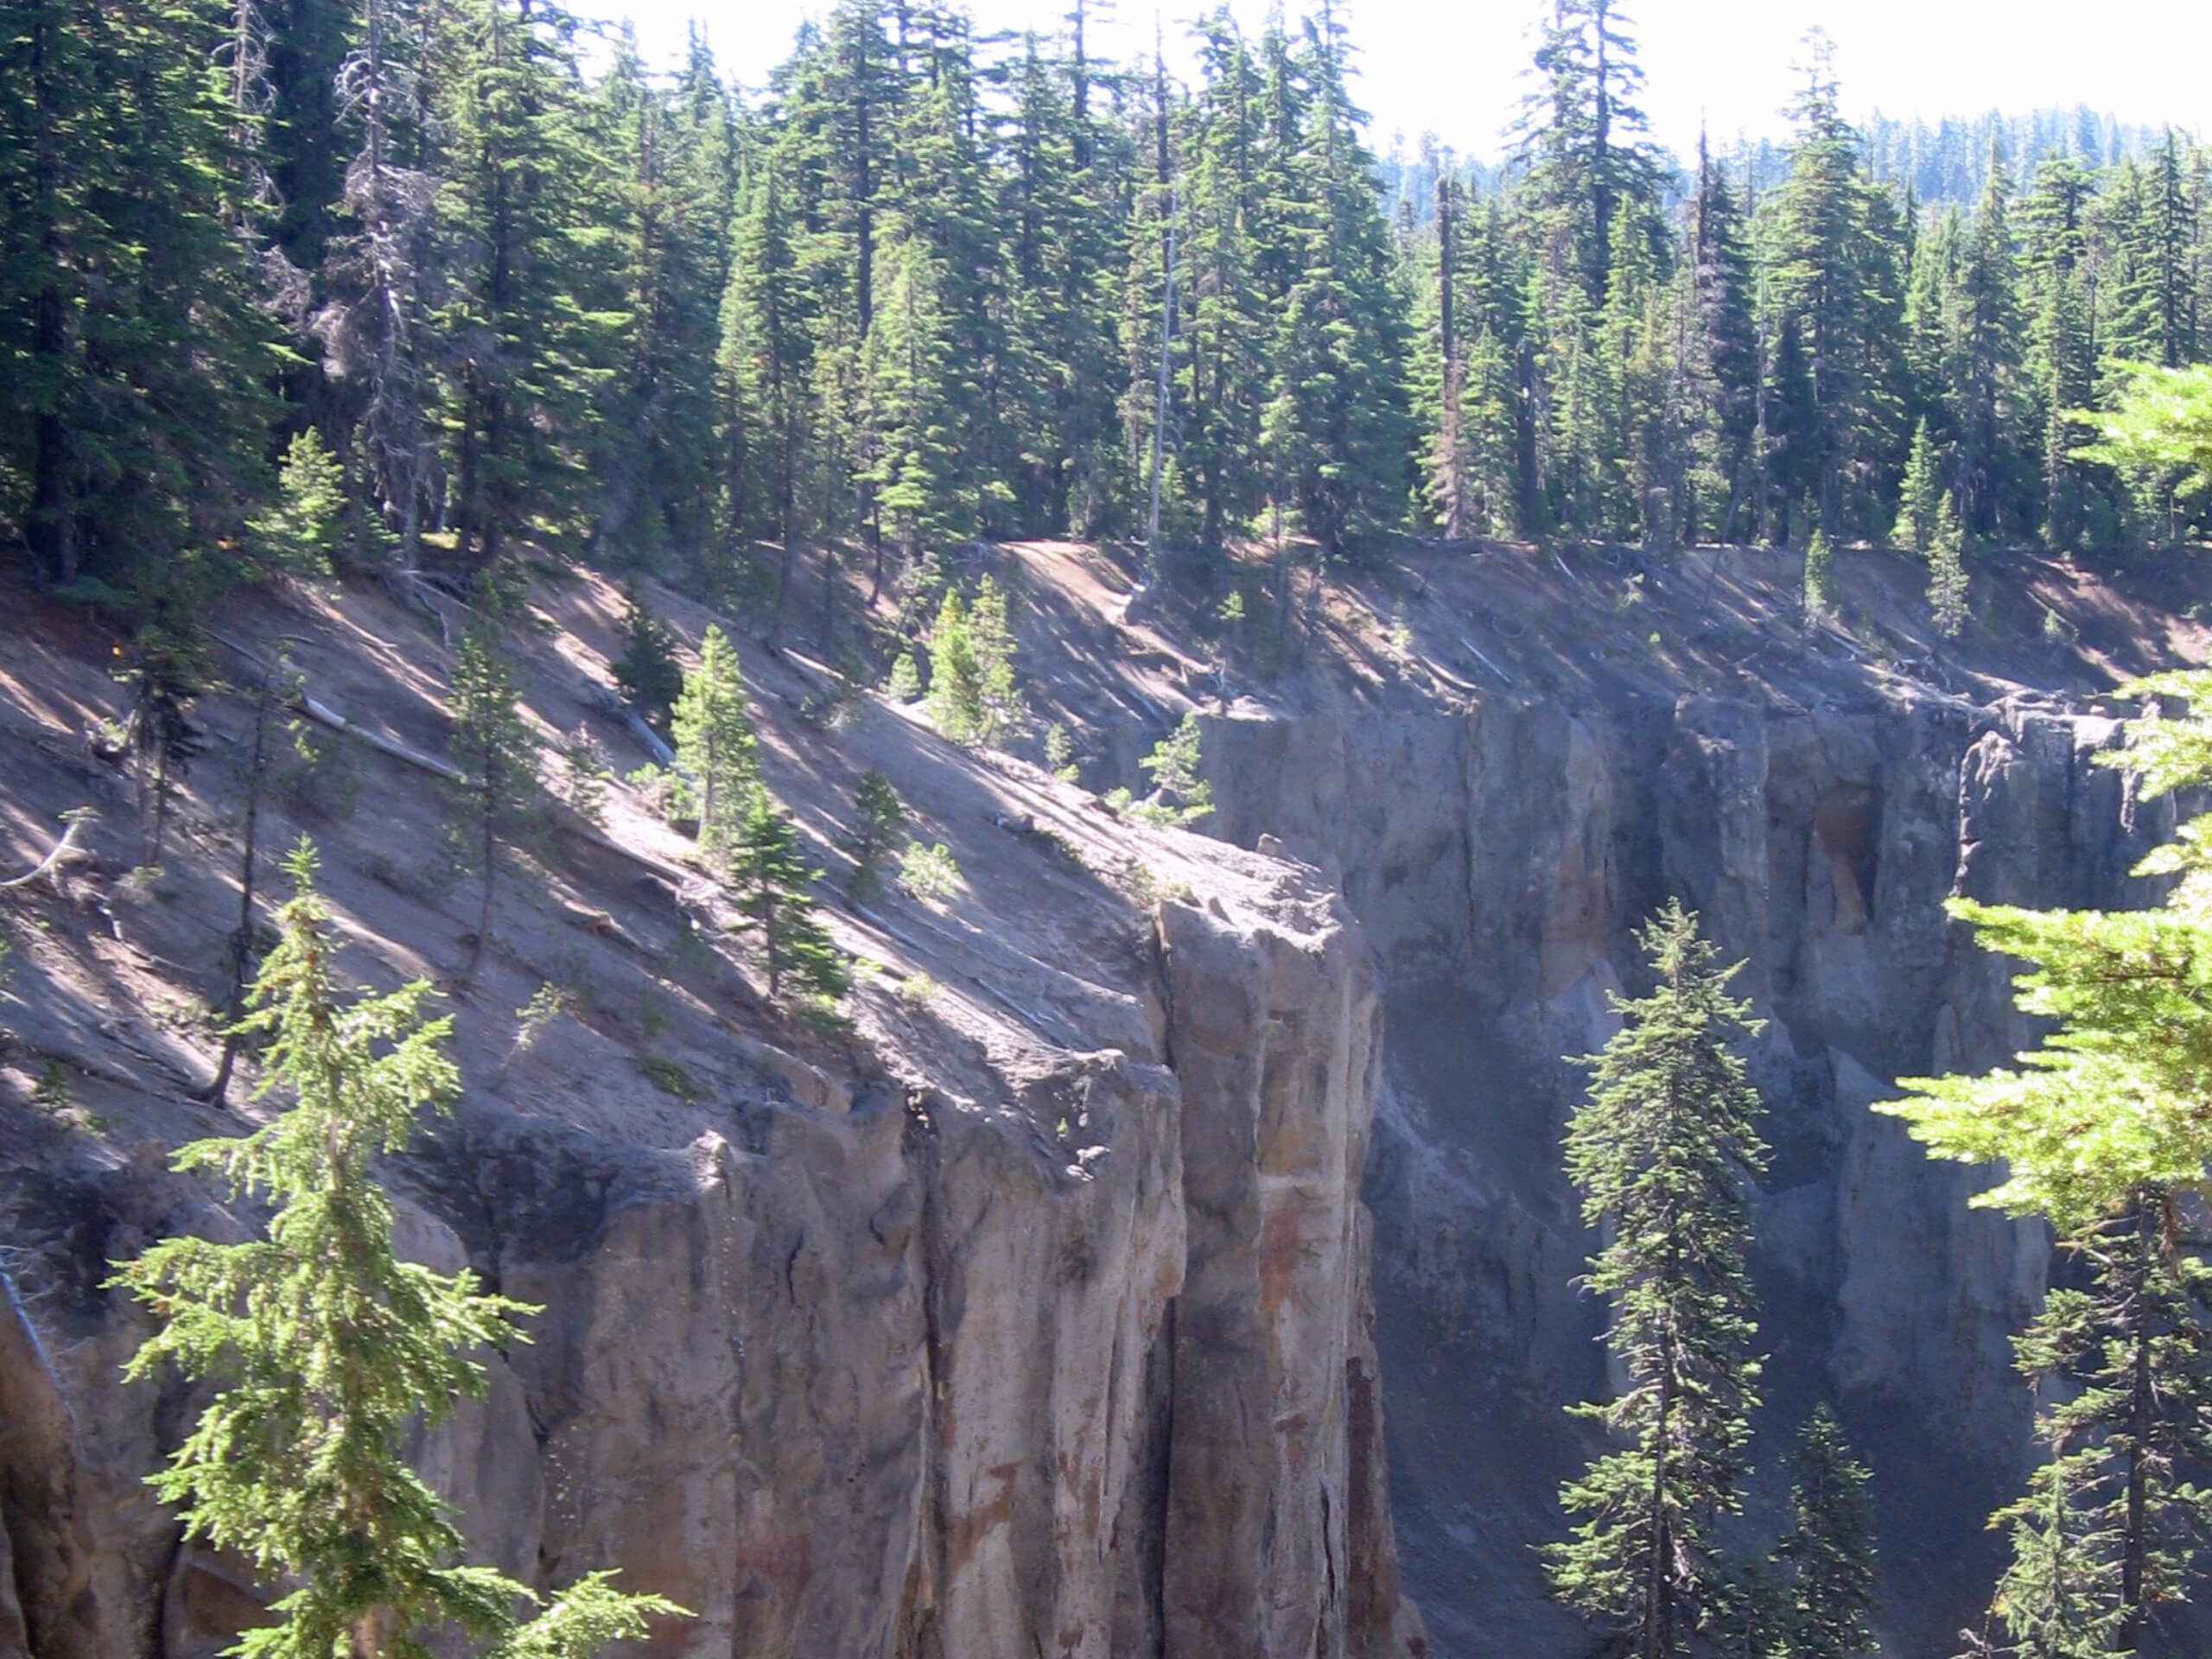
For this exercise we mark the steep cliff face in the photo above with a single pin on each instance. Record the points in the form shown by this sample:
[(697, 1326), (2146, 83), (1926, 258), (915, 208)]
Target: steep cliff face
[(1498, 858), (1030, 1317)]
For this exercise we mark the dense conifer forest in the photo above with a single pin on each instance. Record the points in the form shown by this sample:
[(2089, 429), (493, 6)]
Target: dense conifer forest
[(397, 285)]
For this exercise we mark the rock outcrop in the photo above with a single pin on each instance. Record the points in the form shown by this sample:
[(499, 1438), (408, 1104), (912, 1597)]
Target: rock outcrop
[(1067, 1352), (1498, 858)]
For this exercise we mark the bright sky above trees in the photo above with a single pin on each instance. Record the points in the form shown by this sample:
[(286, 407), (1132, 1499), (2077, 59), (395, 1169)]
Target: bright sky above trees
[(1455, 68)]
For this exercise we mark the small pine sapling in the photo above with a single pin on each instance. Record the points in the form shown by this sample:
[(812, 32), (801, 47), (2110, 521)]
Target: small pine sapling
[(772, 886), (495, 804), (647, 670), (330, 1352), (1819, 578), (1179, 794), (1059, 753), (877, 817), (303, 529), (715, 745), (905, 683), (927, 872)]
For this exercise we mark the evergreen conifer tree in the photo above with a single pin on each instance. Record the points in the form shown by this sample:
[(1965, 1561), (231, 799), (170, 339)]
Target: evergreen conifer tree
[(496, 750), (1663, 1152), (1820, 577), (329, 1349), (647, 670), (771, 881), (1179, 794), (714, 746), (879, 815), (1921, 500), (1947, 571), (301, 529), (972, 696), (2112, 1525), (1829, 1552)]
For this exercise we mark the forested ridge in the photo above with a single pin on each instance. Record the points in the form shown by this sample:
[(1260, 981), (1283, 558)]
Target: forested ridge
[(400, 284)]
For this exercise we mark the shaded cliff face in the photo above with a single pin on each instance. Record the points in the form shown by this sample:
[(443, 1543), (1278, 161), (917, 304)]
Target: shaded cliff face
[(1029, 1316), (1499, 857)]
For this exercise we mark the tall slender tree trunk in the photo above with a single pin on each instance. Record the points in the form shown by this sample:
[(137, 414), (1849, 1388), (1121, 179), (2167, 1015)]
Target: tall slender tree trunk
[(2142, 1409)]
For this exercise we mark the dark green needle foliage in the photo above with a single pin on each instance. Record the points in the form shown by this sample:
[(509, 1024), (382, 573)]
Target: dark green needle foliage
[(2113, 1524), (329, 1350), (773, 886), (647, 670), (1663, 1154), (495, 802), (715, 745), (1829, 1552), (878, 816)]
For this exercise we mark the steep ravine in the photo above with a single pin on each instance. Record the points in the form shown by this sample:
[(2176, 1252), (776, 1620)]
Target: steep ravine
[(1029, 1318), (1497, 857)]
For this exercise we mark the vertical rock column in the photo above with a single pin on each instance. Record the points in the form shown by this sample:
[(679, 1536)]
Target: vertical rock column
[(1274, 1448)]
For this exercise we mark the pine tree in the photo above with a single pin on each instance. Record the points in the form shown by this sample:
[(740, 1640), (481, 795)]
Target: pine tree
[(972, 696), (1920, 502), (769, 877), (303, 529), (2114, 1525), (1337, 426), (1947, 588), (520, 344), (495, 802), (132, 338), (1819, 578), (1829, 1552), (385, 262), (330, 1349), (1838, 286), (1179, 794), (714, 746), (1663, 1152), (879, 815), (647, 670)]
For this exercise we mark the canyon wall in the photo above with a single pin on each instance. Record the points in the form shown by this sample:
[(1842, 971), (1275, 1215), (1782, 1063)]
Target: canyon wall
[(1066, 1350), (1498, 858)]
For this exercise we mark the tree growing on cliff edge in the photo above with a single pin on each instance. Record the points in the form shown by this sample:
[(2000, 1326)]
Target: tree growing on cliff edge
[(1663, 1152), (330, 1348), (774, 887)]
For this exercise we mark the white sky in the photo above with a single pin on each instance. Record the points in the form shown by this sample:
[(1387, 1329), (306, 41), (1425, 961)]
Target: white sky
[(1455, 69)]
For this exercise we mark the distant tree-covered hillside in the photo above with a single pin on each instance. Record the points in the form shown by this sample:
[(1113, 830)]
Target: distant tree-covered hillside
[(401, 285)]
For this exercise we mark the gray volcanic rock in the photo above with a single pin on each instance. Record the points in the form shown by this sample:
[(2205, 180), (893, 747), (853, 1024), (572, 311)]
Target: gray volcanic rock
[(1497, 859), (1078, 1365)]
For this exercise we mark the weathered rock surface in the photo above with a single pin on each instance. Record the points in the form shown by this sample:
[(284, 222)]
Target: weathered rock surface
[(1080, 1367), (1027, 1317), (1497, 859)]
